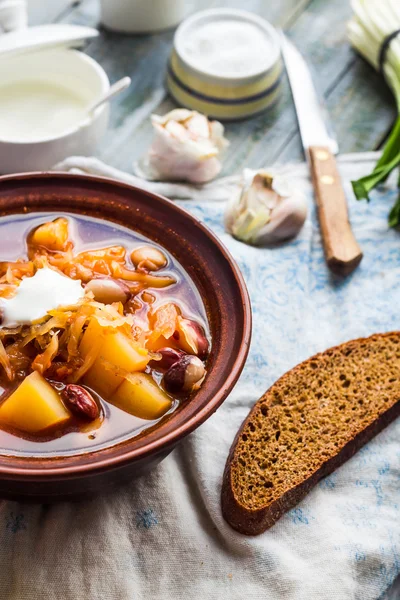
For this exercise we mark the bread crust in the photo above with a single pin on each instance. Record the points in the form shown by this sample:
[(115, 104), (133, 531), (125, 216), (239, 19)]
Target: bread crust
[(254, 522)]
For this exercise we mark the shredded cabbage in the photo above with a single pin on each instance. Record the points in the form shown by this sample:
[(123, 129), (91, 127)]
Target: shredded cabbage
[(51, 345)]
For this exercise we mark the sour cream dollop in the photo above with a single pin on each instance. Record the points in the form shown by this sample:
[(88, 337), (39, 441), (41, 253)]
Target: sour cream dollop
[(35, 296)]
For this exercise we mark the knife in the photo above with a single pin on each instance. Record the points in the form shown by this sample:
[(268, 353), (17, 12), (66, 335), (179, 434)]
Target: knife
[(342, 251)]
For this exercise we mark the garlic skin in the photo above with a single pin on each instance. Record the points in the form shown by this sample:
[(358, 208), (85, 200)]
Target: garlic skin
[(187, 147), (267, 209)]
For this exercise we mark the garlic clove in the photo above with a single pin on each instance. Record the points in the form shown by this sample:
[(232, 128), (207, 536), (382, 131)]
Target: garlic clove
[(186, 147), (177, 130), (260, 214), (286, 221), (178, 114), (197, 125), (248, 224), (217, 131)]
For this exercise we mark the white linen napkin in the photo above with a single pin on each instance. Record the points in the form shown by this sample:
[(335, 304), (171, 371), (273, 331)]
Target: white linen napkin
[(219, 190), (13, 15), (162, 537)]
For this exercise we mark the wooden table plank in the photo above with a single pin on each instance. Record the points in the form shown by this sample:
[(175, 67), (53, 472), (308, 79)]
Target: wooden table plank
[(348, 83), (144, 58), (361, 118), (320, 34), (317, 28)]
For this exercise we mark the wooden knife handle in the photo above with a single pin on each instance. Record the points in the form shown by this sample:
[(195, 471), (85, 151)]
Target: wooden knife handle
[(342, 252)]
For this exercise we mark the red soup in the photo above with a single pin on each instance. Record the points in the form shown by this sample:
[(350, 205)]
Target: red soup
[(102, 334)]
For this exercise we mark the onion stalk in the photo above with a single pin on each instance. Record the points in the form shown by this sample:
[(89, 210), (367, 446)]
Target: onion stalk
[(373, 21)]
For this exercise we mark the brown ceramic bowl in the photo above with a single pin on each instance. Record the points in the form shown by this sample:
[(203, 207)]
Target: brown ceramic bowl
[(224, 294)]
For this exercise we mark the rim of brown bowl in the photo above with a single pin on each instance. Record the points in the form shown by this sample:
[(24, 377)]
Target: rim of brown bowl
[(41, 192)]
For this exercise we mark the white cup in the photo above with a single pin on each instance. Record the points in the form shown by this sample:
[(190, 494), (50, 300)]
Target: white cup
[(13, 15), (142, 16)]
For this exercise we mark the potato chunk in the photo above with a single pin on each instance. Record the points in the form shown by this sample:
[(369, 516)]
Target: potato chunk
[(161, 342), (52, 235), (140, 396), (117, 356), (93, 337), (34, 406)]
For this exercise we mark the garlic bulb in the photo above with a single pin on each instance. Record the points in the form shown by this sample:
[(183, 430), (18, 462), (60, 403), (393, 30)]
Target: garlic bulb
[(186, 147), (267, 209)]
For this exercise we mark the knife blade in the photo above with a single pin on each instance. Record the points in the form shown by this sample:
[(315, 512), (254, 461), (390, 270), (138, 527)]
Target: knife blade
[(342, 252), (313, 118)]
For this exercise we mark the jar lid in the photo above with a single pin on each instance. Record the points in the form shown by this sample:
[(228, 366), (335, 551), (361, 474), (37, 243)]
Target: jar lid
[(42, 37), (228, 45)]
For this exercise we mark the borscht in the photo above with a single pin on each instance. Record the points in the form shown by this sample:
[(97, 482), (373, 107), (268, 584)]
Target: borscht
[(102, 334)]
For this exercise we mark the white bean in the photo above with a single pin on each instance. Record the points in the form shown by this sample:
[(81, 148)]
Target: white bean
[(149, 258), (108, 291)]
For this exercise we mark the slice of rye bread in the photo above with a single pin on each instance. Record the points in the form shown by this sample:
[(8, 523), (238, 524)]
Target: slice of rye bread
[(309, 422)]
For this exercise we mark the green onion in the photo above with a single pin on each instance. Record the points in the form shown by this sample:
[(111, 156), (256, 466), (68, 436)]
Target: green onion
[(373, 21)]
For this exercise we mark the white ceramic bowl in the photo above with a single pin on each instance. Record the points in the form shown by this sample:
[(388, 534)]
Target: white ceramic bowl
[(65, 68), (142, 16)]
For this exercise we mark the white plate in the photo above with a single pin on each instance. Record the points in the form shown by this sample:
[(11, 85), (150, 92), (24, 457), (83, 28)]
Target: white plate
[(44, 36)]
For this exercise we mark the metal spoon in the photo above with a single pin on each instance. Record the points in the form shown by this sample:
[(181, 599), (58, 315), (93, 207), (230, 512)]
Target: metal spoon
[(116, 88)]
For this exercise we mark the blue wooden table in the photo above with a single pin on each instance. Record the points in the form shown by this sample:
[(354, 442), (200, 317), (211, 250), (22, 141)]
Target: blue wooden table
[(361, 106)]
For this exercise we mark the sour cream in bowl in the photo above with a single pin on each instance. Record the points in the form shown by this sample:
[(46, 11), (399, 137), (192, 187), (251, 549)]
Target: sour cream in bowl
[(44, 101)]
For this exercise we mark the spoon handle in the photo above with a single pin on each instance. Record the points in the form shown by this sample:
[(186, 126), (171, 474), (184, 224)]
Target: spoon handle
[(116, 88)]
